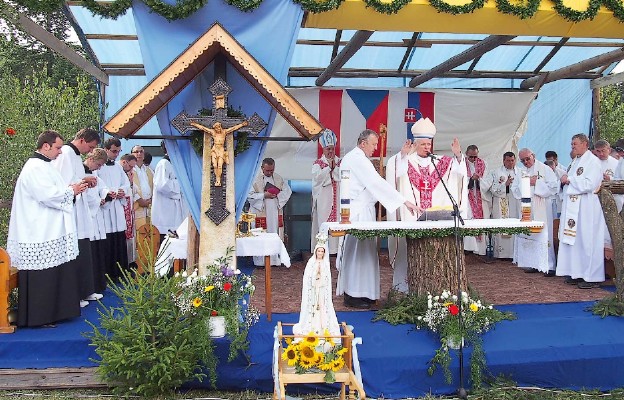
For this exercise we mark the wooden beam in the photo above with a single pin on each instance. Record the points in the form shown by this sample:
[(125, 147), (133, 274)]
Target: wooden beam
[(125, 71), (473, 65), (81, 36), (58, 46), (550, 55), (427, 43), (312, 72), (607, 80), (129, 66), (358, 39), (103, 36), (336, 44), (477, 50), (410, 46), (595, 115), (574, 69)]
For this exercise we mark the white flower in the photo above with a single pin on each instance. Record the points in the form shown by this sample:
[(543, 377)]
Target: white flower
[(454, 297), (436, 298), (237, 272)]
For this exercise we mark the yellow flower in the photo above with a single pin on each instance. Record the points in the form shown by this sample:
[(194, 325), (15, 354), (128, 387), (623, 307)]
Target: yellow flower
[(341, 351), (318, 357), (474, 307), (307, 353), (337, 364), (208, 289), (290, 355), (197, 302), (448, 303), (307, 364), (311, 340), (326, 366), (328, 337), (288, 340)]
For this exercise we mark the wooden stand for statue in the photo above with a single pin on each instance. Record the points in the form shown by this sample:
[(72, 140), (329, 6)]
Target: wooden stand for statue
[(432, 265), (147, 244), (345, 377), (8, 282)]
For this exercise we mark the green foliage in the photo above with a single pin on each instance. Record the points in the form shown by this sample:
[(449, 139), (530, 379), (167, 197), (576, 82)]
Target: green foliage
[(610, 305), (29, 106), (611, 122), (427, 233), (147, 345), (440, 314)]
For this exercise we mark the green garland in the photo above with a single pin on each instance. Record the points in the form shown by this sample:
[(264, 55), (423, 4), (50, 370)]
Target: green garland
[(428, 233), (577, 16), (386, 8), (444, 7), (522, 11), (183, 8)]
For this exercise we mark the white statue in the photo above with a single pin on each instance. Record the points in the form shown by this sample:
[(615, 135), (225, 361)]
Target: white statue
[(317, 309)]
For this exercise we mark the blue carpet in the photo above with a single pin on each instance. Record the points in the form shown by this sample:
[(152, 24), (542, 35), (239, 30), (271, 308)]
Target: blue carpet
[(552, 346)]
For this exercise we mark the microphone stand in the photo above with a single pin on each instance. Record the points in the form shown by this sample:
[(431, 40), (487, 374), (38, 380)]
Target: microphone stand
[(457, 219)]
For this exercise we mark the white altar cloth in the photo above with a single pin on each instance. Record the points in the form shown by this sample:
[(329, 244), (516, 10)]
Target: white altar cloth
[(263, 244)]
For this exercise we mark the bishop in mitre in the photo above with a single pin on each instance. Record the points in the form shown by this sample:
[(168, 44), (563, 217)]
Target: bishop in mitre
[(418, 175)]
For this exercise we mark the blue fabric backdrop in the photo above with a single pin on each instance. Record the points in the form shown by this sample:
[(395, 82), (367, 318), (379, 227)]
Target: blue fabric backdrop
[(275, 22)]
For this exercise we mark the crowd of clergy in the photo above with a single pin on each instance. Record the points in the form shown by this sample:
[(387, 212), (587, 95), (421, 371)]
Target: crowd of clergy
[(76, 210), (560, 197), (74, 217)]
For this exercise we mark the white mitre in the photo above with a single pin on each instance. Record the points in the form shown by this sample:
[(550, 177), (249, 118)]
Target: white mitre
[(423, 129)]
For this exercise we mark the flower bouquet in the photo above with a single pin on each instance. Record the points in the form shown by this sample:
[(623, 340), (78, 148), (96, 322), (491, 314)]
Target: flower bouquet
[(459, 321), (223, 291), (315, 354)]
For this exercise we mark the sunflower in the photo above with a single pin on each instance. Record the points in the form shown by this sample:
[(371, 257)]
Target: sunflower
[(311, 340), (325, 366), (306, 364), (341, 351), (197, 302), (288, 341), (307, 353), (318, 357), (290, 355), (328, 338), (337, 364)]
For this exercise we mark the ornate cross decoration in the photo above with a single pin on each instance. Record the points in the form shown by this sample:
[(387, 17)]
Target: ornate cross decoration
[(218, 125)]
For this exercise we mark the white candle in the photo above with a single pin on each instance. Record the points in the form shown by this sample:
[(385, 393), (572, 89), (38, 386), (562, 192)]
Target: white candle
[(525, 187), (344, 184)]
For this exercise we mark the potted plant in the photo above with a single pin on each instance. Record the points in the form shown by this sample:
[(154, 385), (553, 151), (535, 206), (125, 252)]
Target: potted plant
[(220, 294)]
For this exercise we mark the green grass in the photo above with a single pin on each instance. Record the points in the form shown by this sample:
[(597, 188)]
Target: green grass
[(496, 393)]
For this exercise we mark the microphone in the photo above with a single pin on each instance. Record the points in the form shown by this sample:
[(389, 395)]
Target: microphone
[(432, 156)]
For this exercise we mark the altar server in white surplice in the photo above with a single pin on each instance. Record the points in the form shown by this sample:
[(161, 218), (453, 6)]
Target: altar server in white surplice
[(168, 206), (42, 240), (504, 204), (357, 260), (317, 307), (581, 244), (118, 185), (413, 174), (325, 185), (69, 164), (267, 198), (535, 252)]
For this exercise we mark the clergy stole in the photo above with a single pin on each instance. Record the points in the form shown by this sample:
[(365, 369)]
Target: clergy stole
[(474, 192), (426, 179)]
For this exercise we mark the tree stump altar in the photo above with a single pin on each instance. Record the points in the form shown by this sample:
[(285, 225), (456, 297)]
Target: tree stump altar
[(433, 266), (431, 257)]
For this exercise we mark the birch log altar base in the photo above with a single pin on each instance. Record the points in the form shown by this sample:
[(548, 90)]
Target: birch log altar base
[(431, 253)]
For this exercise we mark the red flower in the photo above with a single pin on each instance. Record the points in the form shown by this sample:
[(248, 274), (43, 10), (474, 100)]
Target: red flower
[(214, 313), (453, 309), (10, 131), (227, 286)]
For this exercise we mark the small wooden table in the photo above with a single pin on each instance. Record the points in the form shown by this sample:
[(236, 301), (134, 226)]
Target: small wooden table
[(266, 245)]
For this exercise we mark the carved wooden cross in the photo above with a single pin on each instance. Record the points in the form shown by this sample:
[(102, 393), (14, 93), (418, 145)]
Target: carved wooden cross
[(218, 126)]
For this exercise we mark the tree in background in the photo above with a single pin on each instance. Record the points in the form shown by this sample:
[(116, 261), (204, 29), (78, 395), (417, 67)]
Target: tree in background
[(611, 122)]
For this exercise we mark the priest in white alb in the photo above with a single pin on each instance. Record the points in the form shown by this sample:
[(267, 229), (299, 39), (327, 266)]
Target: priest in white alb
[(418, 174), (504, 204), (325, 188), (267, 198), (357, 260), (581, 241), (42, 238), (535, 252)]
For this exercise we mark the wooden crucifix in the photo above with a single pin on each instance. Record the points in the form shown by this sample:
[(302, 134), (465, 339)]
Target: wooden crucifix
[(218, 225)]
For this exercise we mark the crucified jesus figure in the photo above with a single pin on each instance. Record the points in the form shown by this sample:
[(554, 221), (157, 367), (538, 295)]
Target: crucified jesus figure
[(218, 154)]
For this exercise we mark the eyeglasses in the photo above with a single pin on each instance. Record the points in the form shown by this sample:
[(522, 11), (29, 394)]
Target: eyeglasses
[(138, 151), (472, 156), (525, 159)]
